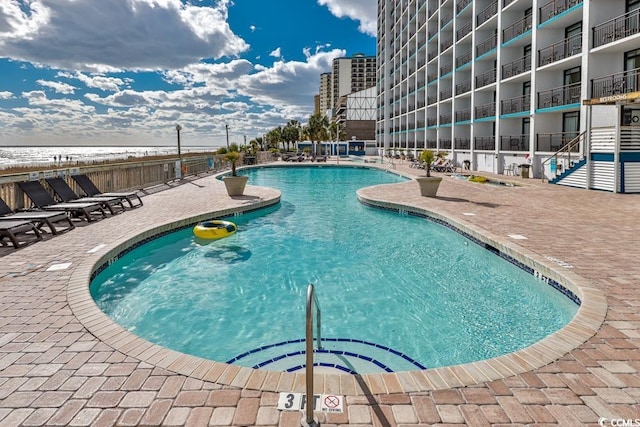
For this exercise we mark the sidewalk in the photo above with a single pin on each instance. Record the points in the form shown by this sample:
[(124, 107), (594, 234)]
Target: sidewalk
[(54, 370)]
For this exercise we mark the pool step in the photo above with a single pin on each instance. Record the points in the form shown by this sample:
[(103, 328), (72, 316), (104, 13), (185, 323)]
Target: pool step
[(336, 355)]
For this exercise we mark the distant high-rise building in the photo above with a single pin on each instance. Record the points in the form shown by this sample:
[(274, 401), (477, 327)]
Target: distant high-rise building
[(352, 74), (325, 93)]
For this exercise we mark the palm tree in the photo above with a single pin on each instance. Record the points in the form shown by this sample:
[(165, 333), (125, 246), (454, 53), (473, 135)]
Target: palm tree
[(317, 129), (291, 133), (274, 137)]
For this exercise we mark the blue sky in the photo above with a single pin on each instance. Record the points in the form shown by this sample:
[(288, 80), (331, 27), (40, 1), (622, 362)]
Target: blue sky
[(125, 72)]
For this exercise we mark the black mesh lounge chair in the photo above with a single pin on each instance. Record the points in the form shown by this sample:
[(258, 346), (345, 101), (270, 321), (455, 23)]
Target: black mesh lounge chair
[(39, 218), (41, 199), (10, 230), (90, 189), (67, 195)]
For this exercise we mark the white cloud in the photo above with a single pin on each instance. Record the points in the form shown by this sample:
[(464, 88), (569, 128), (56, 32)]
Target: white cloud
[(104, 83), (275, 53), (109, 35), (364, 11), (58, 87), (6, 95)]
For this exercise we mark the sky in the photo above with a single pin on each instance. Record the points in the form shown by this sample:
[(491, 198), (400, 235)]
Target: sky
[(126, 72)]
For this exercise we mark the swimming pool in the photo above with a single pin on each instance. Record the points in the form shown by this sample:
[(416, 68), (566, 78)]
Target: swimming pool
[(395, 289)]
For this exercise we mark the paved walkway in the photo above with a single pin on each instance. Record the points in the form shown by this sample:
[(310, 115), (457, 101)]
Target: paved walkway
[(62, 363)]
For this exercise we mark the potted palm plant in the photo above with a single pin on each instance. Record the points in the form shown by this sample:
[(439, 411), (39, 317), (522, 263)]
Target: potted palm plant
[(428, 184), (234, 183)]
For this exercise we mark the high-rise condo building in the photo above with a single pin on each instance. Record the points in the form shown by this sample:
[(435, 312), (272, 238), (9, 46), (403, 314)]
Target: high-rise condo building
[(500, 83)]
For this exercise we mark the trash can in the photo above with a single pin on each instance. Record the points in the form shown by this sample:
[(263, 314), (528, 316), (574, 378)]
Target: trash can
[(524, 170)]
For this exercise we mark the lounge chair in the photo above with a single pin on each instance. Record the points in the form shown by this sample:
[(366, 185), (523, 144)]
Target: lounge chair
[(39, 218), (67, 195), (41, 199), (90, 189), (10, 229)]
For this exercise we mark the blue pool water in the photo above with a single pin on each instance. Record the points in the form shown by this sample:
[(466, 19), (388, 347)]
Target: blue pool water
[(409, 292)]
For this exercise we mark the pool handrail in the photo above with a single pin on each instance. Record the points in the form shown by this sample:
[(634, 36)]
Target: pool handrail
[(312, 300)]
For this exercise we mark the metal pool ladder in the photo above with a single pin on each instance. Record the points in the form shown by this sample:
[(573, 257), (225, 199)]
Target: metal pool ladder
[(312, 300)]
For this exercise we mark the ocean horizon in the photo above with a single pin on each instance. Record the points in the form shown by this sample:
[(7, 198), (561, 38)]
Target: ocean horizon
[(12, 156)]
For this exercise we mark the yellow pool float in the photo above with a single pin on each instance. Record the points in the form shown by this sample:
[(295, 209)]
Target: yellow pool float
[(478, 178), (214, 229)]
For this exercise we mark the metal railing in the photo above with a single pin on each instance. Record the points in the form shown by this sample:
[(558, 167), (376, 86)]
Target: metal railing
[(515, 105), (486, 110), (560, 50), (554, 141), (463, 87), (519, 28), (462, 143), (312, 301), (555, 7), (487, 45), (464, 58), (464, 29), (484, 142), (486, 78), (567, 149), (463, 115), (615, 84), (514, 143), (563, 95), (487, 13), (618, 28), (446, 69), (516, 67)]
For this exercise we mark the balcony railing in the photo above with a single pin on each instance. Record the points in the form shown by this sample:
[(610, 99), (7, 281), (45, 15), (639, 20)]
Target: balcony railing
[(462, 143), (514, 143), (446, 44), (463, 87), (463, 115), (464, 29), (465, 58), (515, 105), (432, 121), (487, 45), (516, 67), (560, 50), (445, 94), (486, 78), (615, 84), (432, 55), (445, 119), (445, 144), (486, 110), (553, 142), (487, 13), (484, 143), (514, 30), (432, 99), (445, 19), (446, 69), (618, 28), (432, 77), (555, 7), (563, 95), (461, 5)]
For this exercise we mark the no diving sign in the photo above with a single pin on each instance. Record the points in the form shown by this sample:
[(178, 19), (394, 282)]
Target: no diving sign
[(321, 402)]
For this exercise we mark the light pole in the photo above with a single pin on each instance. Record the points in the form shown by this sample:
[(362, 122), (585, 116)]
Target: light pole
[(226, 127), (178, 129)]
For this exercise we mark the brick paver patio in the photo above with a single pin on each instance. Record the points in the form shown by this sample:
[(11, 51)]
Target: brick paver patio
[(64, 363)]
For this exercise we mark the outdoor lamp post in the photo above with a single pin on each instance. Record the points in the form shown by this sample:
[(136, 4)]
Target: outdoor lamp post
[(178, 129), (226, 127)]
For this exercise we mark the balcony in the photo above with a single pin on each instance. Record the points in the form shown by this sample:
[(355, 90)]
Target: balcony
[(486, 78), (486, 110), (432, 99), (431, 122), (615, 84), (446, 18), (487, 13), (445, 144), (445, 119), (461, 5), (463, 87), (465, 58), (555, 7), (462, 143), (464, 29), (518, 104), (446, 44), (446, 69), (484, 143), (616, 29), (445, 94), (463, 115), (487, 45), (560, 50), (517, 29), (516, 67), (563, 95), (552, 142), (514, 143), (432, 77)]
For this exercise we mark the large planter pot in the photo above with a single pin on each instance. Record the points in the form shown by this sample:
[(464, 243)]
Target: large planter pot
[(429, 185), (235, 184)]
